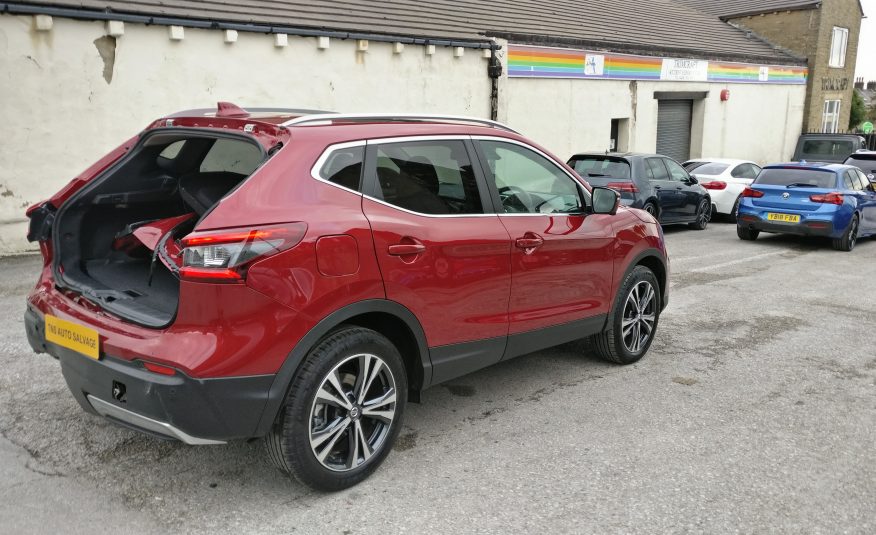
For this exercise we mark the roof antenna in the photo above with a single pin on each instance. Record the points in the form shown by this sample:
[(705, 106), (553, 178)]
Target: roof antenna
[(228, 109)]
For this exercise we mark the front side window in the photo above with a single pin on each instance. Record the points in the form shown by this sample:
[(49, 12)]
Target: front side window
[(830, 119), (676, 172), (428, 177), (528, 182), (839, 41)]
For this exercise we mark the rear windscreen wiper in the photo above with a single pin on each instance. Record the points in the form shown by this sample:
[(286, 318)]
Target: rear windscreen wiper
[(799, 185)]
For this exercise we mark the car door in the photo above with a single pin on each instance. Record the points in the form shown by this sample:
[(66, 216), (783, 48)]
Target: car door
[(690, 193), (668, 197), (561, 256), (866, 200), (441, 253)]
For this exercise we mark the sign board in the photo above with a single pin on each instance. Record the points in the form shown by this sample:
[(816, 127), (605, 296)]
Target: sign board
[(685, 70), (867, 127)]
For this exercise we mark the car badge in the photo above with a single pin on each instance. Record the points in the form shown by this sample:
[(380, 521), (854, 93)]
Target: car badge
[(786, 195)]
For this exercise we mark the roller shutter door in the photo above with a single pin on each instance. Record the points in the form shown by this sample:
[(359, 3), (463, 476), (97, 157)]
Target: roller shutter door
[(673, 128)]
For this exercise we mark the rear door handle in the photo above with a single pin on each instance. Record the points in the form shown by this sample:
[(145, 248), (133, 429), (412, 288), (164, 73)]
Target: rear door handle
[(404, 249), (529, 241), (658, 187)]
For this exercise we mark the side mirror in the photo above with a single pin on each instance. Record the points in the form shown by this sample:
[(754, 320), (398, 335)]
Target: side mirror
[(693, 180), (605, 201)]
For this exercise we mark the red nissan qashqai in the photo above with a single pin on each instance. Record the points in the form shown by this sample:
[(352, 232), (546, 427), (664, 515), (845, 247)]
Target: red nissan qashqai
[(299, 276)]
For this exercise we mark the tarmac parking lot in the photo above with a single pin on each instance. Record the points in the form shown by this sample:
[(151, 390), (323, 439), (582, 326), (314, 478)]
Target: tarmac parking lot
[(755, 411)]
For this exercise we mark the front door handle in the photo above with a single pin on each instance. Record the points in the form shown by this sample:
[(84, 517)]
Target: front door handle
[(405, 249), (658, 187), (529, 241)]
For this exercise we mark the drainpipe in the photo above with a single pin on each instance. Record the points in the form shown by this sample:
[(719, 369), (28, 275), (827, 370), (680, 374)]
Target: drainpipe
[(494, 71)]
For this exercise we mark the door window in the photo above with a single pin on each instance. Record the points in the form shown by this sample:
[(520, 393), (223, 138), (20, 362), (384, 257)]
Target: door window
[(848, 181), (676, 172), (528, 182), (857, 183), (655, 170), (745, 170), (429, 177)]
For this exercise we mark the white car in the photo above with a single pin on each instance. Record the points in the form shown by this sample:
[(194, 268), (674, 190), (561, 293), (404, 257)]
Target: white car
[(725, 179)]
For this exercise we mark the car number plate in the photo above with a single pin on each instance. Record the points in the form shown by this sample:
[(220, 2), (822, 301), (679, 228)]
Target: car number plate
[(73, 336), (786, 218)]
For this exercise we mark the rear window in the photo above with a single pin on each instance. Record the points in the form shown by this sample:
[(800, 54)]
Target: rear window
[(711, 169), (827, 148), (810, 178), (597, 166)]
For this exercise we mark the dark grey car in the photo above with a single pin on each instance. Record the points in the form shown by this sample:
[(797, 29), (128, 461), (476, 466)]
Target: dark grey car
[(655, 183)]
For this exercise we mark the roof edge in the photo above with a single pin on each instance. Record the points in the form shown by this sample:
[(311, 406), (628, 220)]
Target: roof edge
[(625, 48), (815, 4)]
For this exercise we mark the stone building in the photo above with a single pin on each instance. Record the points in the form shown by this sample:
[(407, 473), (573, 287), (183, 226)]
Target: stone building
[(825, 32)]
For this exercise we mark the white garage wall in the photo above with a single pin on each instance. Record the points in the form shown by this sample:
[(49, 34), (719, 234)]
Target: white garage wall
[(760, 122), (61, 114)]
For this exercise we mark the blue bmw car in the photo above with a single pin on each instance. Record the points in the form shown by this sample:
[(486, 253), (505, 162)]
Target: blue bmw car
[(809, 199)]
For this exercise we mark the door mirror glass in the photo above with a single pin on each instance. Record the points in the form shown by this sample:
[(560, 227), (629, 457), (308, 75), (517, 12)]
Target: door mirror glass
[(605, 201), (693, 180)]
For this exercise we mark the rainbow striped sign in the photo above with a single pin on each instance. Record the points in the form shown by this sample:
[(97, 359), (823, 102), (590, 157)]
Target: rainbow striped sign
[(544, 62)]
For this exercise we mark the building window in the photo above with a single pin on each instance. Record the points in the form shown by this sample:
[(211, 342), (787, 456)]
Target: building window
[(830, 119), (838, 41)]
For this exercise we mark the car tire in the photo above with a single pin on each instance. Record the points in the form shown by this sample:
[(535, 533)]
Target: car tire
[(849, 238), (651, 208), (322, 441), (704, 212), (747, 234), (621, 341), (735, 210)]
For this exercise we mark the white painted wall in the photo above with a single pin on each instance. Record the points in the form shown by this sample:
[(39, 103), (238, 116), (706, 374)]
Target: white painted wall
[(759, 122), (60, 114)]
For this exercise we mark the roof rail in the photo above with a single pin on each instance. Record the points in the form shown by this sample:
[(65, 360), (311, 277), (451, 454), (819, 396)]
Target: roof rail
[(328, 118)]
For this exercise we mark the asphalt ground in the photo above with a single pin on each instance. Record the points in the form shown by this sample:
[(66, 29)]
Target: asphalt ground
[(755, 411)]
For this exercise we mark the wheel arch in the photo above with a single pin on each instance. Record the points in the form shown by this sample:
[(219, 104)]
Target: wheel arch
[(653, 260), (389, 318)]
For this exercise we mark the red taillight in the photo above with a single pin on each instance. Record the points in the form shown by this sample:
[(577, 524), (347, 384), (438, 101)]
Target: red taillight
[(715, 184), (833, 197), (158, 368), (224, 255), (753, 193), (623, 187)]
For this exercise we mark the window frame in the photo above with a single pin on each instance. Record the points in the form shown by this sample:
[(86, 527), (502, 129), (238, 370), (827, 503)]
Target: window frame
[(835, 116), (843, 50), (583, 193)]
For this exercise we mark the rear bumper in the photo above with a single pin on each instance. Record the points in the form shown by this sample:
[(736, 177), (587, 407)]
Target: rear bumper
[(195, 411), (806, 228)]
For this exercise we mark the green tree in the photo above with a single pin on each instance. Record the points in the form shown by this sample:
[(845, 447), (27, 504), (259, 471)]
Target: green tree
[(858, 111)]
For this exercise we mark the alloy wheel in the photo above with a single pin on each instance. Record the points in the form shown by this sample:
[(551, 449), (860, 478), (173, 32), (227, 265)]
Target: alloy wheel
[(853, 233), (352, 412), (639, 316)]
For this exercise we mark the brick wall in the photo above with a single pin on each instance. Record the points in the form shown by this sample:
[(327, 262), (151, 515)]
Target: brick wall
[(807, 33)]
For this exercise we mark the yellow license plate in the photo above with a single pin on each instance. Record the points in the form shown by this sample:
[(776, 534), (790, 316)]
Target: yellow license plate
[(786, 218), (73, 336)]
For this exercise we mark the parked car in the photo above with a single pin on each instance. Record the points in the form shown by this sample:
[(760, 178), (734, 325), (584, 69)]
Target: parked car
[(865, 160), (725, 179), (830, 148), (831, 200), (229, 275), (651, 182)]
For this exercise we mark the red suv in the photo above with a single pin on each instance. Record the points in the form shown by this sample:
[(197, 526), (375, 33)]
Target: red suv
[(230, 274)]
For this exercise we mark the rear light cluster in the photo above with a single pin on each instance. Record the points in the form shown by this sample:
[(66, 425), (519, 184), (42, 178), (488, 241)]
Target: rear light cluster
[(623, 187), (225, 255), (833, 197), (753, 193), (715, 184)]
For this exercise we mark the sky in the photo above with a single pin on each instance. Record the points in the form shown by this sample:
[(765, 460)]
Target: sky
[(866, 65)]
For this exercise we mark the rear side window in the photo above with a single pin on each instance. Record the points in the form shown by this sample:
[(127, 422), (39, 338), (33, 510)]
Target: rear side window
[(655, 170), (429, 177), (858, 184), (826, 148), (595, 166), (344, 167), (800, 177), (745, 170), (849, 180), (232, 156), (711, 169)]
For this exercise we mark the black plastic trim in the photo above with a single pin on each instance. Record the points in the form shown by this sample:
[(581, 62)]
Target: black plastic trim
[(536, 340), (455, 360), (283, 379), (651, 253)]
